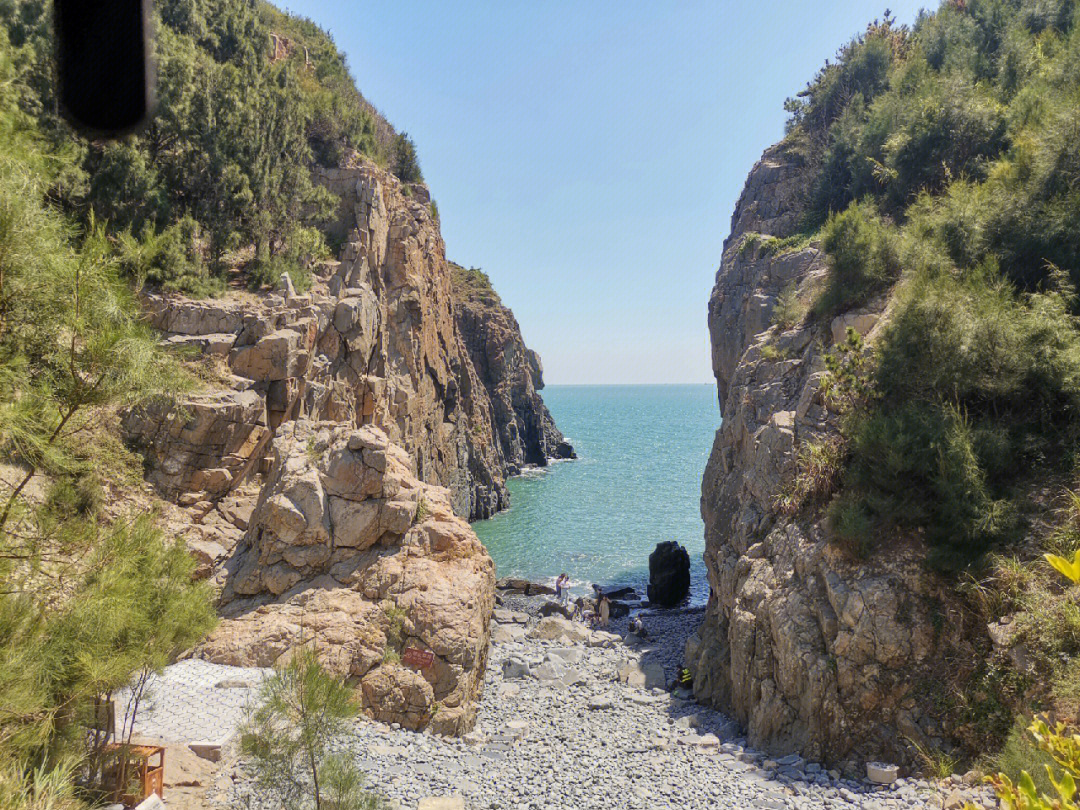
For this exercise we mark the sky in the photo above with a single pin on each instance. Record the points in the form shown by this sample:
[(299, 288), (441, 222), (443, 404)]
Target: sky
[(588, 155)]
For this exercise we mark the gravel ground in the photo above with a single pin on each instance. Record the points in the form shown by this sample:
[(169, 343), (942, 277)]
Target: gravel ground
[(600, 744)]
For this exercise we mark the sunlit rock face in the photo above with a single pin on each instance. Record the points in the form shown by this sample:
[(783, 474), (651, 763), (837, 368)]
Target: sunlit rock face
[(814, 651), (348, 551), (380, 339), (323, 473)]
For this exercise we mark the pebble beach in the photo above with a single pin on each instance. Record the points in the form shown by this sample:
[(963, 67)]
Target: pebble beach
[(582, 722)]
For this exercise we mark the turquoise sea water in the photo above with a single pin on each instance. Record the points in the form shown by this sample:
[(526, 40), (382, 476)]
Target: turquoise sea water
[(637, 481)]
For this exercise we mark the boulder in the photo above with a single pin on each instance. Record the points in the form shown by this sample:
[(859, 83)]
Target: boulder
[(556, 609), (669, 574), (523, 586), (615, 591), (197, 443), (569, 655), (602, 638), (515, 667), (504, 616), (333, 551), (551, 669), (394, 694), (643, 674), (556, 628), (503, 633), (564, 450)]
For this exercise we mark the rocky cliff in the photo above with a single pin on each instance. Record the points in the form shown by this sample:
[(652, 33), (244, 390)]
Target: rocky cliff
[(511, 374), (380, 340), (347, 550), (813, 650), (322, 475)]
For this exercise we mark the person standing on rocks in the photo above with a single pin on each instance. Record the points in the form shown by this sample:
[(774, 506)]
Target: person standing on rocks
[(561, 592), (604, 610)]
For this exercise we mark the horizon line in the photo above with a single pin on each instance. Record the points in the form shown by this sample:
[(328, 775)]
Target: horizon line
[(603, 384)]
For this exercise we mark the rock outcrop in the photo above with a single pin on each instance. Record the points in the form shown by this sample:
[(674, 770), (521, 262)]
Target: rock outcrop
[(814, 651), (510, 372), (348, 551), (669, 574), (322, 477), (379, 339)]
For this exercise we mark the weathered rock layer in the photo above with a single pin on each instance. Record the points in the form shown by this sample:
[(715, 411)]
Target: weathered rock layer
[(323, 478), (348, 551), (812, 650), (379, 340)]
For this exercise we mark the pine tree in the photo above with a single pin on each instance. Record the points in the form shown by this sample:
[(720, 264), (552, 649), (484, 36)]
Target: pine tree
[(406, 163), (302, 711), (86, 603)]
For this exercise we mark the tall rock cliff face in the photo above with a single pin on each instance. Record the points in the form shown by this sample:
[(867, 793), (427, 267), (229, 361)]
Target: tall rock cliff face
[(417, 382), (379, 340), (323, 477), (812, 650), (511, 374)]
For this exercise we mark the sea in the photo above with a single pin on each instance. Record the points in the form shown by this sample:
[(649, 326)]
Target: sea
[(641, 451)]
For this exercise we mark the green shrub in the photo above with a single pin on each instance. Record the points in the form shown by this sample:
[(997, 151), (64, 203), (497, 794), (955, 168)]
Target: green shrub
[(968, 379), (266, 273), (303, 247), (1021, 753), (817, 474), (860, 70), (473, 284), (852, 524), (847, 386), (406, 164), (863, 259), (915, 468), (302, 715), (395, 626), (770, 353), (789, 310), (74, 496), (170, 258), (749, 242), (422, 511), (974, 341), (1062, 746)]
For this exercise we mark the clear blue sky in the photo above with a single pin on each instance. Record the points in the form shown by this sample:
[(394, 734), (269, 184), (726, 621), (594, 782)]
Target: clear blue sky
[(588, 155)]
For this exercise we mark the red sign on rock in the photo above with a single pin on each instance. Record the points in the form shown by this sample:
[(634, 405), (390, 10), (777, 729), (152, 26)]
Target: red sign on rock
[(414, 657)]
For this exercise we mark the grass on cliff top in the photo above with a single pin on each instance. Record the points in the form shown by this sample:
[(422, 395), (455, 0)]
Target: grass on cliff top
[(776, 246), (473, 284)]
